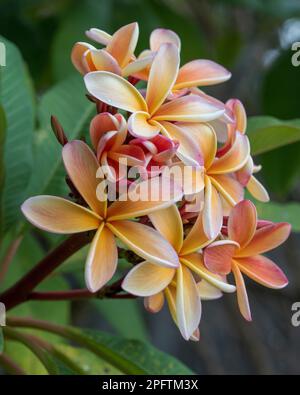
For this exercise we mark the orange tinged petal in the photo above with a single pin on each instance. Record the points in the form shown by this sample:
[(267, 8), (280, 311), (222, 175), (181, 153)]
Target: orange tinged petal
[(137, 66), (162, 36), (154, 303), (195, 239), (123, 42), (58, 215), (212, 211), (168, 222), (140, 125), (190, 108), (218, 256), (242, 223), (263, 270), (100, 124), (78, 50), (236, 106), (82, 166), (206, 291), (266, 239), (188, 305), (115, 91), (103, 61), (163, 73), (228, 187), (242, 296), (145, 242), (257, 190), (201, 72), (147, 279), (102, 260)]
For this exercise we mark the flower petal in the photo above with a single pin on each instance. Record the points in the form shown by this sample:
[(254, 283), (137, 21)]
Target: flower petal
[(266, 239), (189, 178), (195, 263), (188, 304), (242, 296), (201, 72), (162, 36), (212, 211), (190, 108), (196, 238), (98, 35), (228, 187), (134, 156), (263, 270), (58, 215), (82, 166), (145, 197), (77, 53), (206, 291), (257, 190), (234, 159), (137, 65), (154, 303), (102, 259), (218, 256), (169, 224), (103, 61), (188, 151), (238, 110), (139, 125), (146, 279), (115, 91), (100, 124), (163, 73), (242, 222), (123, 43), (145, 242)]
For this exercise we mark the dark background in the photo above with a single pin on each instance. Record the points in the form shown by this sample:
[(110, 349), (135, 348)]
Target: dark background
[(253, 39)]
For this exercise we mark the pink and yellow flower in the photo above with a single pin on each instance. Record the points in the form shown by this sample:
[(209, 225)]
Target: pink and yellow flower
[(241, 253), (59, 215)]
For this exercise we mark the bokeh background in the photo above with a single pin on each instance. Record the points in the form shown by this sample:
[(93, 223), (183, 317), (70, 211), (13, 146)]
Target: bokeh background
[(253, 39)]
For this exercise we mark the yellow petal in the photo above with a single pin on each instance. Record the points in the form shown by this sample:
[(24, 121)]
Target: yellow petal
[(115, 91), (103, 61), (201, 72), (228, 187), (102, 259), (257, 190), (145, 242), (154, 303), (196, 238), (168, 222), (162, 36), (242, 296), (137, 65), (170, 293), (145, 197), (191, 108), (77, 53), (58, 215), (188, 305), (195, 263), (82, 166), (212, 211), (140, 125), (163, 73), (98, 35), (147, 279), (123, 42), (206, 291)]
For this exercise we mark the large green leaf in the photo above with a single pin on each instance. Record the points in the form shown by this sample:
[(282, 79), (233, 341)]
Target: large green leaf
[(281, 212), (2, 172), (268, 133), (68, 103), (17, 101)]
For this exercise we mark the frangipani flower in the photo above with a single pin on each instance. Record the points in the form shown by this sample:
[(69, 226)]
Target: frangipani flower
[(149, 280), (149, 112), (117, 56), (242, 252), (198, 142), (199, 72), (59, 215), (108, 134)]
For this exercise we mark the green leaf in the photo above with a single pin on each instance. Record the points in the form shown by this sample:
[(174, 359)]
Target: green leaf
[(1, 340), (116, 313), (17, 100), (280, 212), (68, 103), (269, 133), (2, 171)]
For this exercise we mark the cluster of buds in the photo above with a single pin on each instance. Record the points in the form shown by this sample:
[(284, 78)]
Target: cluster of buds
[(179, 162)]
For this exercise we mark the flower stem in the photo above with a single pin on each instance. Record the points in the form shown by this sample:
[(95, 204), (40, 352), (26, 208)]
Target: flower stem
[(19, 292)]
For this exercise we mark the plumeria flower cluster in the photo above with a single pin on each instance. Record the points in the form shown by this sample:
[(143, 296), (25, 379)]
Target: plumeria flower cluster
[(154, 118)]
